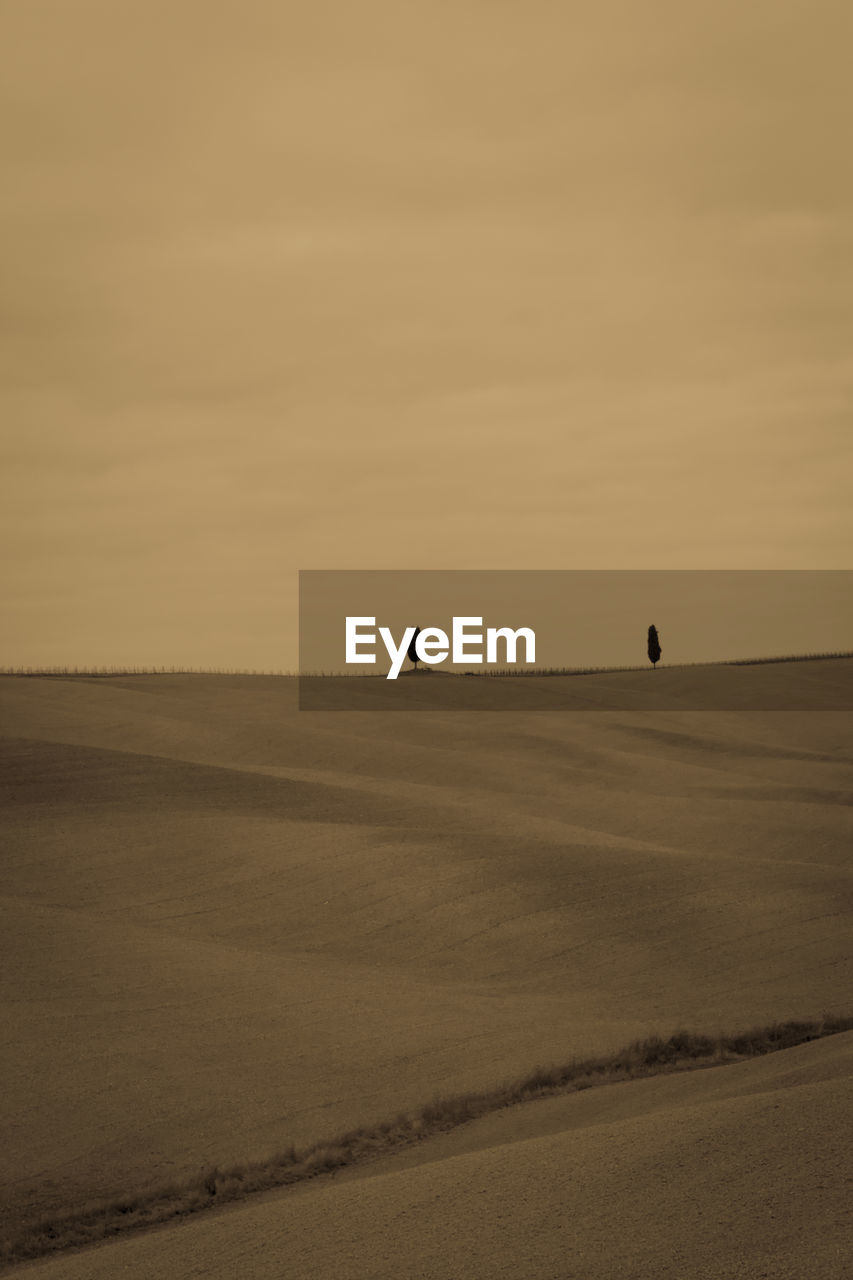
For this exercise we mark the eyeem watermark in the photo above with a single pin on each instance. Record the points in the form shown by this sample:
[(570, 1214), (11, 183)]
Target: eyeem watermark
[(432, 645), (726, 639)]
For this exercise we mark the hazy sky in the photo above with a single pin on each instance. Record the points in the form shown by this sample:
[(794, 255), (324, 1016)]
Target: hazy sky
[(384, 285)]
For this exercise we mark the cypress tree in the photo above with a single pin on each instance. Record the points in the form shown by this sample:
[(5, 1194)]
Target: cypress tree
[(654, 646)]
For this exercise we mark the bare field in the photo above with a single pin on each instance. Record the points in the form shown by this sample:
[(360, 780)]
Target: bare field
[(229, 926)]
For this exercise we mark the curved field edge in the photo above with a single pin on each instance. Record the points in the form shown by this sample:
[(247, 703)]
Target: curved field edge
[(682, 1051)]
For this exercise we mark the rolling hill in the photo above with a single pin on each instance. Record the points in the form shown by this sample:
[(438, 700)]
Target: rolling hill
[(230, 925)]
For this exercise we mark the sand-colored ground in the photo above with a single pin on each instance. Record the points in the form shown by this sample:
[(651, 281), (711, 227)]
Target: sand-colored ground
[(739, 1171), (229, 925)]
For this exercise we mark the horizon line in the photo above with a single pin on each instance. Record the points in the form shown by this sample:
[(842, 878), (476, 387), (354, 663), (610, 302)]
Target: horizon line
[(106, 671)]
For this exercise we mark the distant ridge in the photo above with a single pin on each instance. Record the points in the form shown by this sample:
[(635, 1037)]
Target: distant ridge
[(105, 671), (111, 671), (669, 666)]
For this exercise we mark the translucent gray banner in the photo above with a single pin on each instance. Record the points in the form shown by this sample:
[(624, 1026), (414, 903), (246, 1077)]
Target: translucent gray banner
[(541, 640)]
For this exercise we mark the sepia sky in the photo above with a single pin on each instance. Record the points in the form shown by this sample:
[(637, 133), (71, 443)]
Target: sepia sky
[(478, 284)]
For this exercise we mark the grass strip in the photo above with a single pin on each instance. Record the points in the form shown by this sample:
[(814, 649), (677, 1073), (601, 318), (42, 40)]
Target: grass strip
[(682, 1051)]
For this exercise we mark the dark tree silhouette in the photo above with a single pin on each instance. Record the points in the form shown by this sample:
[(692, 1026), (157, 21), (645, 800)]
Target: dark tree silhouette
[(654, 646), (412, 651)]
